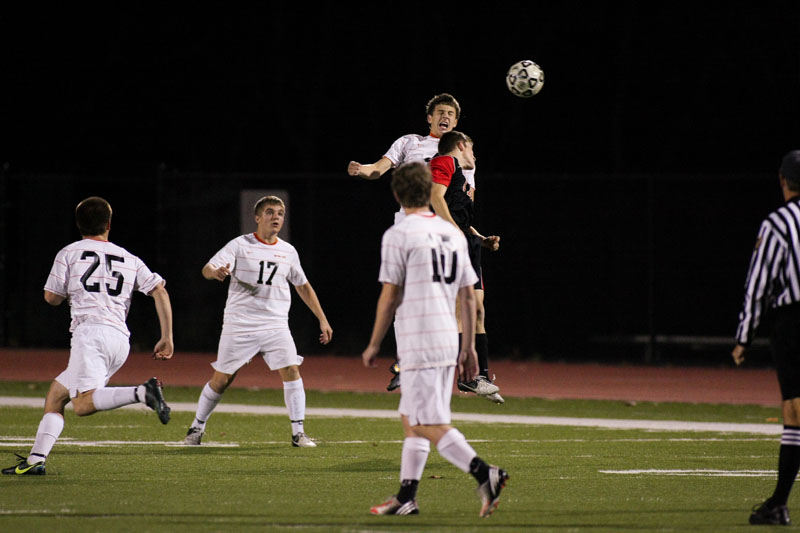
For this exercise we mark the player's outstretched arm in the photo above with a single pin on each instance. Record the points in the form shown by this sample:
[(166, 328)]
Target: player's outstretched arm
[(370, 172), (219, 274), (439, 204), (309, 297), (164, 347), (388, 302), (492, 242), (53, 298), (467, 356)]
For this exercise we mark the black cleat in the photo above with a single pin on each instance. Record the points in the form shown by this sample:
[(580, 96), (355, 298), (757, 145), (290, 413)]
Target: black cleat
[(395, 382), (766, 514), (489, 490), (24, 469), (154, 398)]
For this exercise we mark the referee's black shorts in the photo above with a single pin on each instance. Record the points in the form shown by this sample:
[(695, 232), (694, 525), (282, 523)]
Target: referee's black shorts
[(474, 248), (785, 345)]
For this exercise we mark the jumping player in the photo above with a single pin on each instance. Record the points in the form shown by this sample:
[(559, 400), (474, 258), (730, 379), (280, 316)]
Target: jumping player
[(443, 112), (256, 318), (452, 199), (424, 268), (98, 278)]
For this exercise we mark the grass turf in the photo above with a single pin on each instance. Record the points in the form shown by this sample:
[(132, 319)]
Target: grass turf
[(557, 479)]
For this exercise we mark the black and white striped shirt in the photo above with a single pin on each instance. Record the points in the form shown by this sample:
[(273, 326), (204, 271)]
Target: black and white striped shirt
[(774, 276)]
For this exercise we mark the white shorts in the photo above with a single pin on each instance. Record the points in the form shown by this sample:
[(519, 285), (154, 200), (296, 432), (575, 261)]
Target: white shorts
[(425, 395), (237, 349), (96, 353)]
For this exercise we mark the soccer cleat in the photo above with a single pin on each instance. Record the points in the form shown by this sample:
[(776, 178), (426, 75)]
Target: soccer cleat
[(301, 440), (489, 490), (496, 398), (193, 437), (154, 398), (480, 386), (24, 469), (776, 516), (393, 506), (395, 381)]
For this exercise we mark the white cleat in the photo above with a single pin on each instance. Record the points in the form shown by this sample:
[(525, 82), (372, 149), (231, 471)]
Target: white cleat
[(495, 397), (193, 437), (301, 440)]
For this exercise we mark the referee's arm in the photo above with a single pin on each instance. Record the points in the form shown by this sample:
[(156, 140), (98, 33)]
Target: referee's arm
[(757, 288)]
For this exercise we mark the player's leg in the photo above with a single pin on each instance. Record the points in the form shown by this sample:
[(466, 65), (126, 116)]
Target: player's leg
[(99, 352), (280, 353), (47, 434), (234, 351)]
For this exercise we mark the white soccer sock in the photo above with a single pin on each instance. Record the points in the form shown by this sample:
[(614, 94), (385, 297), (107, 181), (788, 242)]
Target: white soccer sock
[(46, 436), (453, 447), (205, 405), (295, 397), (414, 457), (107, 398)]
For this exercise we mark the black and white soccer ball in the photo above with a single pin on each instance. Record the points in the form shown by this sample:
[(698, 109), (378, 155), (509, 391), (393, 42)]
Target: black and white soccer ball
[(525, 79)]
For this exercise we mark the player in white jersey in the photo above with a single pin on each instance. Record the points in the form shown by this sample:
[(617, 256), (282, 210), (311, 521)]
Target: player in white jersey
[(256, 319), (98, 279), (443, 112), (425, 267)]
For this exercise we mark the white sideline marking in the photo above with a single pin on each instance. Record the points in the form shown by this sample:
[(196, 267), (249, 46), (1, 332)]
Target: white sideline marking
[(326, 412), (696, 472)]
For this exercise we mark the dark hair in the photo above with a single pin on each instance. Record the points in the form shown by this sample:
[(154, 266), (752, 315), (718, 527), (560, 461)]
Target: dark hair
[(450, 140), (790, 169), (411, 182), (446, 99), (267, 200), (92, 216)]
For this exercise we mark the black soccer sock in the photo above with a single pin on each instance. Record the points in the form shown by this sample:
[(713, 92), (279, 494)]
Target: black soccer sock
[(408, 490), (788, 465), (482, 347), (479, 469)]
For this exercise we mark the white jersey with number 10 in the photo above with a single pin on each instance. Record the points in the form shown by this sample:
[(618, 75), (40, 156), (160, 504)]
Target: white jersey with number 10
[(428, 258)]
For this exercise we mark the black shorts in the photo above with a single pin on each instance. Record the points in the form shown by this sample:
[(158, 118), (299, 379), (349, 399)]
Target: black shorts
[(474, 248), (785, 345)]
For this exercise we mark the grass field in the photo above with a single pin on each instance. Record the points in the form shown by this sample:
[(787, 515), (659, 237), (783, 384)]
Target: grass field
[(122, 470)]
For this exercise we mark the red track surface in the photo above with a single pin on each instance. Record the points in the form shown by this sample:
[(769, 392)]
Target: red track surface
[(515, 378)]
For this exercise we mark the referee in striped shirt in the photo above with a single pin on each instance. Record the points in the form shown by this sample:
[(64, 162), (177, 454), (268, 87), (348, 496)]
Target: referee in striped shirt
[(774, 280)]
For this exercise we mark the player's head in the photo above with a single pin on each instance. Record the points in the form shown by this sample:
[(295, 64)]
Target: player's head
[(790, 170), (411, 184), (458, 145), (265, 201), (443, 113), (93, 216), (270, 212)]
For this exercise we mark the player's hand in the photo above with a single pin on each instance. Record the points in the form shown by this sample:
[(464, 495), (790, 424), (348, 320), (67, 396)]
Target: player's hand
[(326, 333), (222, 272), (738, 354), (369, 356), (354, 168), (492, 242), (467, 364), (163, 350)]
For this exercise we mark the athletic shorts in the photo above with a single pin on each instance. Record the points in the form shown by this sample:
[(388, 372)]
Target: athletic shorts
[(237, 349), (785, 345), (96, 353), (425, 395), (474, 249)]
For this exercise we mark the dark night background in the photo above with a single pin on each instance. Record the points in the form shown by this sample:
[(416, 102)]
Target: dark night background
[(627, 193)]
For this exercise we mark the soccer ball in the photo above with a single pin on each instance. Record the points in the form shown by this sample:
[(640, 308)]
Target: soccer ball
[(525, 79)]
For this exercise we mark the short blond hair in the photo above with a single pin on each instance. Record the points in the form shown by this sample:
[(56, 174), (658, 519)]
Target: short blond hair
[(265, 201)]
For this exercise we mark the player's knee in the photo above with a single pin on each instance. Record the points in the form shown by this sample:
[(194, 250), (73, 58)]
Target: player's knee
[(220, 382), (290, 373), (83, 406)]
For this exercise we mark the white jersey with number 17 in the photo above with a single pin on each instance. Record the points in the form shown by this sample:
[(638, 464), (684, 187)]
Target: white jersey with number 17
[(259, 295), (428, 258), (99, 278)]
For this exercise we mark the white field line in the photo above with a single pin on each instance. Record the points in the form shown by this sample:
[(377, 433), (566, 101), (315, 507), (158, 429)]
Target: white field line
[(325, 412), (696, 472)]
